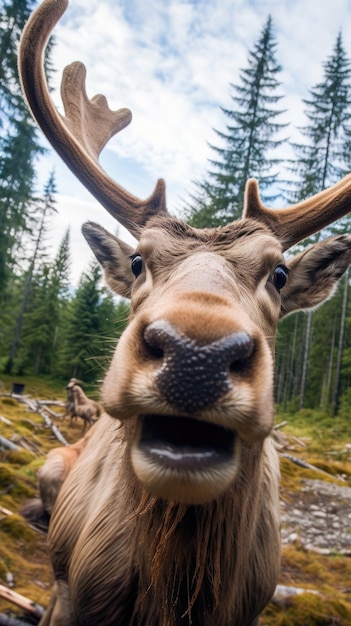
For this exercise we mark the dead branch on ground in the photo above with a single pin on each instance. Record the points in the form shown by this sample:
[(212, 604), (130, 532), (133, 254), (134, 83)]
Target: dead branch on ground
[(24, 603)]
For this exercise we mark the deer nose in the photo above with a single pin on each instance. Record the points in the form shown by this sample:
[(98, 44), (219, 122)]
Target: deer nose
[(193, 377)]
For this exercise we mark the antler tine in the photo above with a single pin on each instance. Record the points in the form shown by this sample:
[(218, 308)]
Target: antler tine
[(80, 134), (301, 220)]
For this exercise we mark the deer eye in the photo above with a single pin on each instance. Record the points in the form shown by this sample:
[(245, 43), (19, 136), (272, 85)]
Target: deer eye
[(137, 265), (280, 277)]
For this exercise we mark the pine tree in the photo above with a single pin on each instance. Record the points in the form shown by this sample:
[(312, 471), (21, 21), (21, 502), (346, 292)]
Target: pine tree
[(38, 325), (45, 316), (19, 144), (249, 140), (62, 267), (45, 208), (81, 343), (60, 294), (93, 323), (323, 160), (320, 162)]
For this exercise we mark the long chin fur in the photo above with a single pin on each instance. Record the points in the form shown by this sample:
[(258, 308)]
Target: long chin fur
[(141, 561), (195, 556)]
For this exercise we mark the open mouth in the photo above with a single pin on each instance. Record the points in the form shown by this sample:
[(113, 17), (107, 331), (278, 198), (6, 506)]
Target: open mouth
[(185, 443)]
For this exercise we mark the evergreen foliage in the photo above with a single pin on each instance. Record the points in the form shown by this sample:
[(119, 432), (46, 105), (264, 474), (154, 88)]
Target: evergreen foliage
[(323, 159), (49, 328), (249, 140), (320, 162), (19, 145), (44, 209), (92, 325), (44, 320)]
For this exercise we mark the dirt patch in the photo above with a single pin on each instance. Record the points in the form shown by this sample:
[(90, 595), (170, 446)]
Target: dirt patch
[(319, 517)]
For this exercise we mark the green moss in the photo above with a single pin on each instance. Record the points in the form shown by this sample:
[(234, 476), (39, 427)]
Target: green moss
[(16, 527), (20, 457), (24, 552), (3, 569), (292, 475), (7, 476), (309, 609), (312, 610), (9, 402), (16, 488)]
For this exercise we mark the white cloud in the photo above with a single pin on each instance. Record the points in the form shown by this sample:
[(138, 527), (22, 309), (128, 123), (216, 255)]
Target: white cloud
[(171, 63)]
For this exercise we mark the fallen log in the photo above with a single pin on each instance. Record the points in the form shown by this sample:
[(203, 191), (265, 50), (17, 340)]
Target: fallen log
[(283, 595), (53, 413), (23, 444), (7, 444), (306, 465), (5, 511), (26, 442), (24, 603), (5, 420), (51, 403), (56, 431), (7, 620), (34, 405)]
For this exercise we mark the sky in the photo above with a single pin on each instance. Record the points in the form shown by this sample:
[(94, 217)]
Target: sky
[(172, 63)]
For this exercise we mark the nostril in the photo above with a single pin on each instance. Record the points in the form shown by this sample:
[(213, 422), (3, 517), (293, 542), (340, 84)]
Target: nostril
[(155, 340), (193, 376), (240, 351), (154, 351)]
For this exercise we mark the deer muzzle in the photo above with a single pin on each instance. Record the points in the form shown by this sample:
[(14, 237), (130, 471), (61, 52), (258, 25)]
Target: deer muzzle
[(193, 377), (197, 391)]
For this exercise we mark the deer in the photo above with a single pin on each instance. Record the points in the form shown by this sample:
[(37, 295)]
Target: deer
[(69, 404), (79, 405), (170, 515)]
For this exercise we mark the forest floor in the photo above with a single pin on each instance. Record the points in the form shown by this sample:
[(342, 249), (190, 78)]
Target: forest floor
[(319, 517), (315, 508)]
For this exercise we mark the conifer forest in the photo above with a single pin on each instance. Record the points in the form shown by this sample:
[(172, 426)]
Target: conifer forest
[(50, 329)]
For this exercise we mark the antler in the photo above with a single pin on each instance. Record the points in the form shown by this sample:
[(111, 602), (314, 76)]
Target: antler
[(301, 220), (80, 134)]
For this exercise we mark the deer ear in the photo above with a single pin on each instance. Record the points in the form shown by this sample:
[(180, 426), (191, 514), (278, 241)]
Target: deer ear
[(114, 257), (314, 274)]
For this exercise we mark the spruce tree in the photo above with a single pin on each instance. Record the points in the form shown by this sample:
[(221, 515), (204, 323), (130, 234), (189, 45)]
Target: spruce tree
[(44, 319), (249, 140), (320, 161), (45, 208), (61, 269), (38, 326), (19, 143), (81, 341)]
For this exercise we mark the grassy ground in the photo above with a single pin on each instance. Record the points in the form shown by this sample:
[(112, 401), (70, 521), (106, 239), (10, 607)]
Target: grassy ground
[(23, 550), (326, 439)]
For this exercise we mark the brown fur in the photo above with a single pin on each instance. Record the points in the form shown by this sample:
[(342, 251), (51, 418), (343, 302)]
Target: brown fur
[(51, 476), (140, 535), (79, 405), (129, 557), (172, 553), (55, 470)]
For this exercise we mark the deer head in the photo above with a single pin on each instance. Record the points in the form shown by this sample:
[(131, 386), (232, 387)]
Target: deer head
[(192, 377)]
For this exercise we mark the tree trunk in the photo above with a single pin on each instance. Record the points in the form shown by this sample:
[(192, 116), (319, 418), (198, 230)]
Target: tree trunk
[(306, 355), (330, 369), (335, 401), (19, 322)]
